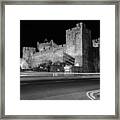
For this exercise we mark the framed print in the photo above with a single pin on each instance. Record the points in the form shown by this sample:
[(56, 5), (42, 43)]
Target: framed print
[(59, 60)]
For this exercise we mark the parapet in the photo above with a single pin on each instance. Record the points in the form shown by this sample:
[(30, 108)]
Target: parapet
[(74, 29)]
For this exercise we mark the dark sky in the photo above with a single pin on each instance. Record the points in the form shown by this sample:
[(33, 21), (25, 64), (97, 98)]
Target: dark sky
[(32, 31)]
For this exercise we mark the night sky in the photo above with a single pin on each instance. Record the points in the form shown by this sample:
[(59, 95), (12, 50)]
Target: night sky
[(32, 31)]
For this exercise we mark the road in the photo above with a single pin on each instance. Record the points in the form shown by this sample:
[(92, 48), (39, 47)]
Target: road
[(59, 89)]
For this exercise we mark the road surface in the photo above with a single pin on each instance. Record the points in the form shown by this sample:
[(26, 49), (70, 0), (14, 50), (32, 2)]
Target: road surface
[(59, 89)]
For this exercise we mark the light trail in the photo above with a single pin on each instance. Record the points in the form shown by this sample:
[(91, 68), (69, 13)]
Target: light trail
[(90, 94)]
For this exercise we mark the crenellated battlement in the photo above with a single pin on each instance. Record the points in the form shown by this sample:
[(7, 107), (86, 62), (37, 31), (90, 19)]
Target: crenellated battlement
[(73, 33)]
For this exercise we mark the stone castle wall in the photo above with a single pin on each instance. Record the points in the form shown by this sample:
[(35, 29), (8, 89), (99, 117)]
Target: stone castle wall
[(78, 44), (50, 52), (54, 55), (86, 50), (74, 43), (28, 52)]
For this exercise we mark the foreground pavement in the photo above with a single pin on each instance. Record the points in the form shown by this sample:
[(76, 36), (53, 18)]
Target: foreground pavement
[(70, 87)]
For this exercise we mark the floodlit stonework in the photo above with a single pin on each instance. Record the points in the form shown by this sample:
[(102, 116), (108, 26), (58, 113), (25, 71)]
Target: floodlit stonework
[(78, 44), (48, 51)]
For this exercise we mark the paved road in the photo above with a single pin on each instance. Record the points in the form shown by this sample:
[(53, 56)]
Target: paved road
[(58, 90)]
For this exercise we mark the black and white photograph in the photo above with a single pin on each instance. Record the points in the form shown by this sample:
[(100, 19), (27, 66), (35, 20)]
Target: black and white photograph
[(60, 59)]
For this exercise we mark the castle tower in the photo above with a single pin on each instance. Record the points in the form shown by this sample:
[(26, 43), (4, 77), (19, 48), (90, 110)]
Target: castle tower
[(78, 43), (74, 43), (28, 54)]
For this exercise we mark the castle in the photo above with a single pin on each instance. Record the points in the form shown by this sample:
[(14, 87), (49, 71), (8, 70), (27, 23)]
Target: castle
[(75, 51)]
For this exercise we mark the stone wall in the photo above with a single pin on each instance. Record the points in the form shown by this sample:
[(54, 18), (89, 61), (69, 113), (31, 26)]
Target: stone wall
[(86, 46), (74, 43), (53, 54), (78, 45), (96, 54), (28, 52)]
